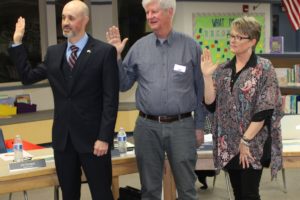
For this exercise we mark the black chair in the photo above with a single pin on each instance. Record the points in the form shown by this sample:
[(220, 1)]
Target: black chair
[(129, 193), (2, 143), (202, 174)]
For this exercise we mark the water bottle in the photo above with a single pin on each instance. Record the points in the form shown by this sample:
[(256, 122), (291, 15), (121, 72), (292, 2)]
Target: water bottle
[(18, 149), (122, 138)]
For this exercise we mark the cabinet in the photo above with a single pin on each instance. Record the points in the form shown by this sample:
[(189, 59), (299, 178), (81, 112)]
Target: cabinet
[(283, 61), (37, 127)]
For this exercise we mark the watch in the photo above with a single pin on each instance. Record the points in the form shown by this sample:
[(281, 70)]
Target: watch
[(246, 139)]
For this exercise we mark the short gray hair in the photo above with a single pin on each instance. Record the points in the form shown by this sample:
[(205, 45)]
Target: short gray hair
[(164, 4), (248, 25)]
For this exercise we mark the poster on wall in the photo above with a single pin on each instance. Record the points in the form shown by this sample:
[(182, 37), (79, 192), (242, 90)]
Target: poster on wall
[(211, 31)]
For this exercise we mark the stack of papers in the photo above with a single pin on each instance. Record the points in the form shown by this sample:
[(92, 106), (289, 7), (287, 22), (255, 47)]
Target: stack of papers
[(207, 145), (10, 156), (129, 144)]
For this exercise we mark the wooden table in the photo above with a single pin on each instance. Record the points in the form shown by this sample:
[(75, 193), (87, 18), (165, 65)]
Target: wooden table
[(291, 153), (46, 176), (291, 160)]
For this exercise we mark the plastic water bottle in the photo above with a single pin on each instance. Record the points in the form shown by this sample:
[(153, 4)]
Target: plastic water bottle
[(18, 149), (122, 138)]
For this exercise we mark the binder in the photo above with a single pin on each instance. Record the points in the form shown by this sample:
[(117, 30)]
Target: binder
[(25, 107), (6, 110)]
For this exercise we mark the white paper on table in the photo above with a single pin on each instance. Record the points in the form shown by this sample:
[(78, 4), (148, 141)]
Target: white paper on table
[(10, 156), (129, 144), (291, 145)]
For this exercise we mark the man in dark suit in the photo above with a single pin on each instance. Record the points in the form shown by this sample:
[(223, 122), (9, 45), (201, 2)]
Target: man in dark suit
[(84, 82)]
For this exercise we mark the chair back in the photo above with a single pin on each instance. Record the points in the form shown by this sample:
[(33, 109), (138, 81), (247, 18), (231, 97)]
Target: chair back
[(2, 143)]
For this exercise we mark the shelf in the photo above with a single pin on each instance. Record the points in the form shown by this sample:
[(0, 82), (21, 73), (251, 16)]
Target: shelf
[(290, 90), (48, 114), (288, 59), (285, 60)]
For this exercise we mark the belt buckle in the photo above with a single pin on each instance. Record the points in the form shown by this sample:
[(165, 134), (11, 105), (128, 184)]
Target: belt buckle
[(163, 119), (159, 119)]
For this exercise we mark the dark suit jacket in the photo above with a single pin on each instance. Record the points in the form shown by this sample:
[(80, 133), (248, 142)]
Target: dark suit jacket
[(88, 109)]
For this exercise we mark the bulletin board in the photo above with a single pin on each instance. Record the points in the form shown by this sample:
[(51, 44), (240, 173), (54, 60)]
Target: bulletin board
[(211, 30)]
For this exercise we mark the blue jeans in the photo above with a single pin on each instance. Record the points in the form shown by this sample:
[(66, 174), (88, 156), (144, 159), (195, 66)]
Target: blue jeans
[(177, 140)]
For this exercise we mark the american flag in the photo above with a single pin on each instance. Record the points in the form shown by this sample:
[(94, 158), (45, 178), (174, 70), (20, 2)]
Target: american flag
[(292, 8)]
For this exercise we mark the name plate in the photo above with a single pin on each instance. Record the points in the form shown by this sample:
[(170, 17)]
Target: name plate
[(28, 164)]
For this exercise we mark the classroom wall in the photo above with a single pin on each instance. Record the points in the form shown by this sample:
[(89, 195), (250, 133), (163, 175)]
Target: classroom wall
[(184, 11), (102, 18)]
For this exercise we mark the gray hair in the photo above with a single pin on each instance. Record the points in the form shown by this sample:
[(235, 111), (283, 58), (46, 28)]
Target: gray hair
[(164, 4), (249, 26)]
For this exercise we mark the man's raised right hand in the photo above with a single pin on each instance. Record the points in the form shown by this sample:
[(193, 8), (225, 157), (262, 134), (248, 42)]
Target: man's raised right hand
[(19, 31), (113, 37)]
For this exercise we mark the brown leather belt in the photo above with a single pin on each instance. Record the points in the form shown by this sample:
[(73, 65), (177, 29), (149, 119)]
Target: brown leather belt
[(165, 119)]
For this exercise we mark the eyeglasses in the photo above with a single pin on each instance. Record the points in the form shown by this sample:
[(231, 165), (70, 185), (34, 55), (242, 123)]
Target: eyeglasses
[(237, 37)]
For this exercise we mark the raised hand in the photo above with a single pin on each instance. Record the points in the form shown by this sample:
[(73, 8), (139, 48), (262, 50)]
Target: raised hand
[(207, 66), (19, 31), (113, 37)]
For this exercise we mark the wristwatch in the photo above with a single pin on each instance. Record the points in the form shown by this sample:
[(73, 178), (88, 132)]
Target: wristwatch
[(246, 139)]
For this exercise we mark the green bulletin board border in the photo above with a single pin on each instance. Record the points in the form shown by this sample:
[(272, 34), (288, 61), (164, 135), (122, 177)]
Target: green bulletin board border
[(210, 31)]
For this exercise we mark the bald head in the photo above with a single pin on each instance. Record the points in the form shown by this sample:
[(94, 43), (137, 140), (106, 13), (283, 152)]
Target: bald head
[(75, 17), (80, 6)]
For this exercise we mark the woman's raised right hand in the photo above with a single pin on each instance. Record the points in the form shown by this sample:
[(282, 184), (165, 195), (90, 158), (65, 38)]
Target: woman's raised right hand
[(207, 66)]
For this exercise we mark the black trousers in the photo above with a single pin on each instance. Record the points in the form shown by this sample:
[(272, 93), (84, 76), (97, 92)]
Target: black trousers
[(98, 171), (245, 183)]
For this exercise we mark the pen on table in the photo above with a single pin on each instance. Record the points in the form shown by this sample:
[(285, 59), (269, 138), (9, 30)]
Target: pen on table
[(130, 148), (27, 158)]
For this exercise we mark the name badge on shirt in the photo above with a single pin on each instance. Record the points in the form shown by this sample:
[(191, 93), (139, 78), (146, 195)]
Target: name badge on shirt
[(179, 68)]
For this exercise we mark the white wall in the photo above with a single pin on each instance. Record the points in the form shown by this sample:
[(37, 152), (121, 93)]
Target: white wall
[(101, 19), (183, 20), (51, 24)]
